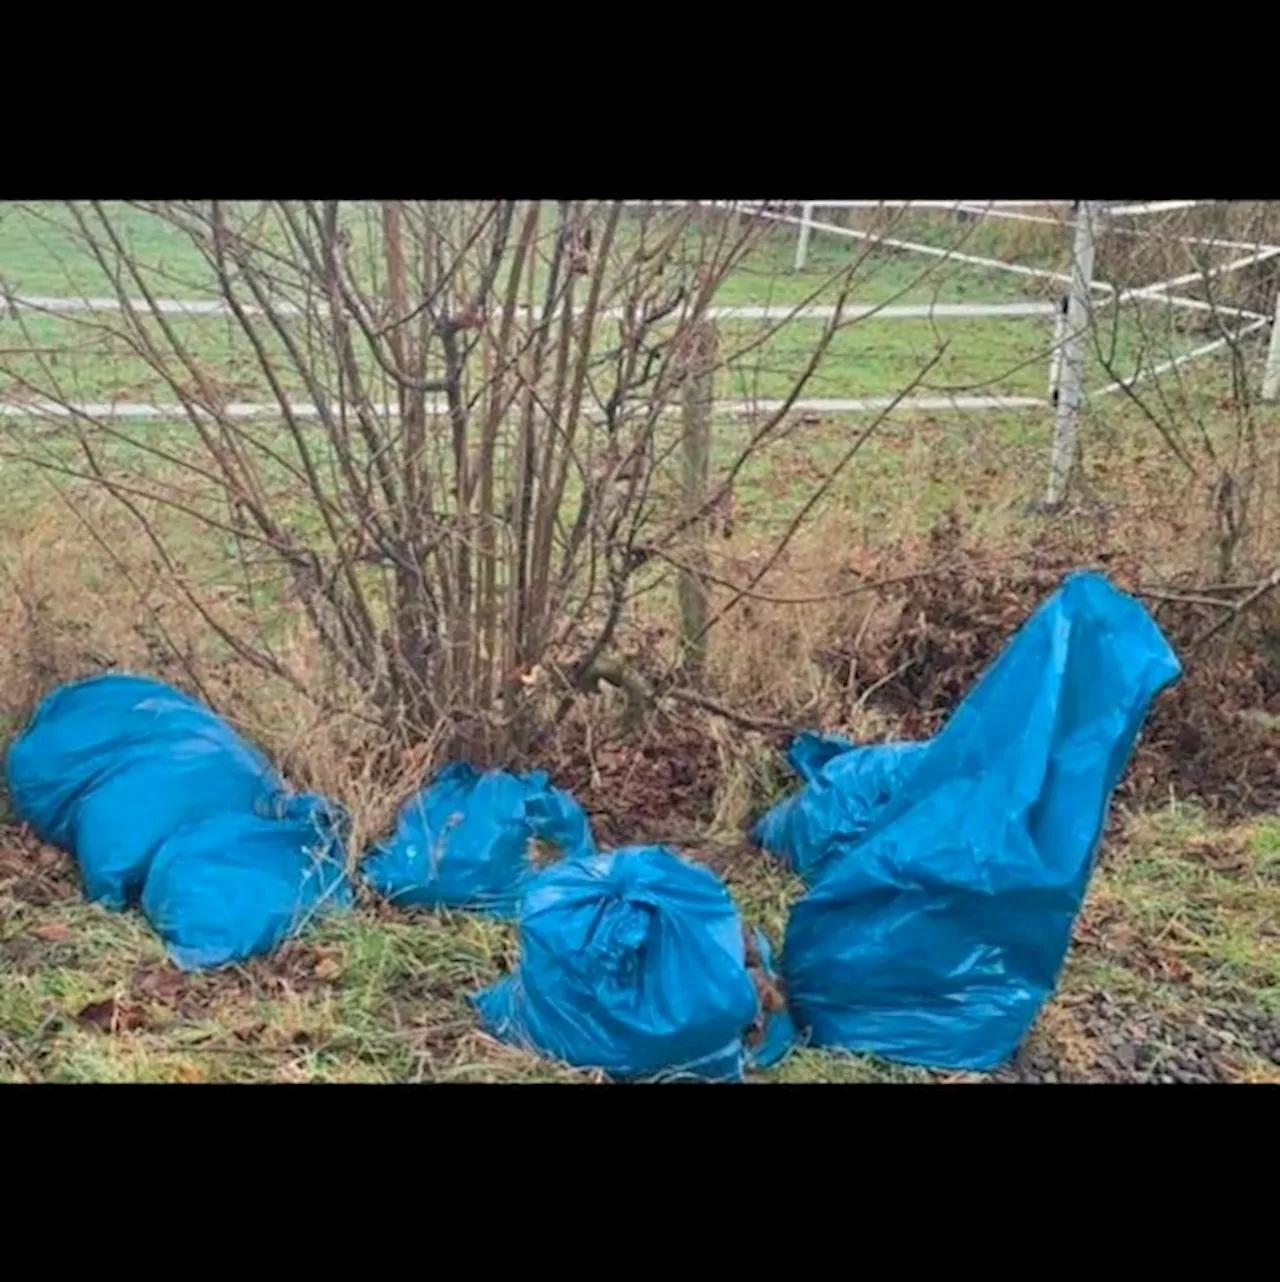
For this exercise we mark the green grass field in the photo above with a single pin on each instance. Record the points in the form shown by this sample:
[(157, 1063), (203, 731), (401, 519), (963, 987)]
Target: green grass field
[(1175, 969), (40, 255)]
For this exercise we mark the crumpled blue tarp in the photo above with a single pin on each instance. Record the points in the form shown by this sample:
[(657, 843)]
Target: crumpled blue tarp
[(463, 841), (633, 962), (110, 766), (160, 800), (846, 787), (935, 932), (230, 887)]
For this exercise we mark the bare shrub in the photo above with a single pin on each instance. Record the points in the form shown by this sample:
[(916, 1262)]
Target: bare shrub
[(465, 471), (1206, 416)]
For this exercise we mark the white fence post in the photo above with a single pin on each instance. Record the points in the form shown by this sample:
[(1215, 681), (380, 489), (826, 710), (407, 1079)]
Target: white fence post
[(806, 228), (1071, 382), (1271, 377)]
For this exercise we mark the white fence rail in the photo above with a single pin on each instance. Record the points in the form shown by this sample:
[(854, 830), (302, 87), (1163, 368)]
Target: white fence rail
[(770, 311), (303, 410), (1160, 291)]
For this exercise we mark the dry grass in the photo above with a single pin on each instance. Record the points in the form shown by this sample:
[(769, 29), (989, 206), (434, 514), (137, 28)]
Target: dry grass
[(83, 594)]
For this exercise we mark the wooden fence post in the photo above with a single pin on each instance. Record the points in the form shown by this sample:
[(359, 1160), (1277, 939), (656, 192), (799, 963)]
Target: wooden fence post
[(698, 398)]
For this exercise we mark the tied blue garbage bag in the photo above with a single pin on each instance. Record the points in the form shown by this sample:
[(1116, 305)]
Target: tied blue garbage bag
[(464, 840), (845, 788), (633, 962), (109, 766), (224, 889), (936, 935)]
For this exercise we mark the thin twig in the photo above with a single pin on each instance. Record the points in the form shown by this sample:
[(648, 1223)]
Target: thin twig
[(1269, 584), (1184, 598), (766, 725)]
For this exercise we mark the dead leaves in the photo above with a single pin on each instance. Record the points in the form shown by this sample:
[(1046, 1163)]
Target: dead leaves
[(113, 1016), (330, 964), (165, 987), (53, 932), (162, 1000), (1211, 736), (769, 993), (643, 788), (32, 872), (1224, 852)]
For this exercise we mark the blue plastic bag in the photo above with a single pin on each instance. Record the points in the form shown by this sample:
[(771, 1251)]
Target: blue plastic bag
[(227, 888), (464, 840), (935, 935), (846, 787), (633, 962), (109, 766)]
